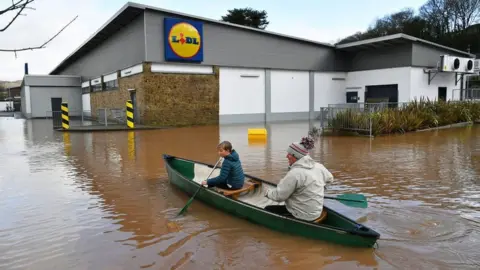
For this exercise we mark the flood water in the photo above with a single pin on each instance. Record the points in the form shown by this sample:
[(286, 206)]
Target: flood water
[(103, 201)]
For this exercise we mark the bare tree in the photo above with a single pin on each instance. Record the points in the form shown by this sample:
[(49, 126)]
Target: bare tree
[(17, 7), (466, 12), (440, 15), (449, 16)]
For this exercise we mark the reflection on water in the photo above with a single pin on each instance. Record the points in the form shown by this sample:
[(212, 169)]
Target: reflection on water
[(102, 200)]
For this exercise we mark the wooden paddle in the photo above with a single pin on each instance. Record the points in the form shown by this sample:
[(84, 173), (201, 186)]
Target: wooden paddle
[(351, 199), (195, 194)]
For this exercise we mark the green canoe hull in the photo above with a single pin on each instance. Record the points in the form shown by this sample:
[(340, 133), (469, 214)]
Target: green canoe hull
[(336, 228)]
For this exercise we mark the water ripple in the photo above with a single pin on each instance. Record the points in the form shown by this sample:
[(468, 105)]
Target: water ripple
[(103, 201)]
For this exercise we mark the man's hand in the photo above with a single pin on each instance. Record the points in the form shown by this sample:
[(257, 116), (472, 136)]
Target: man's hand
[(204, 183)]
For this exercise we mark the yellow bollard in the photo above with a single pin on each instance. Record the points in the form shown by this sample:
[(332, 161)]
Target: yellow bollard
[(257, 136), (67, 145), (131, 145), (130, 122), (65, 118), (257, 140), (257, 131)]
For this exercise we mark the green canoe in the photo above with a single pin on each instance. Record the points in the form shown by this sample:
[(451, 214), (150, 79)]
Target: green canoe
[(337, 228)]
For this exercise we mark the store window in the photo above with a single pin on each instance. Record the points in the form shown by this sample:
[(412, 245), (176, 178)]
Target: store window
[(97, 87), (111, 85)]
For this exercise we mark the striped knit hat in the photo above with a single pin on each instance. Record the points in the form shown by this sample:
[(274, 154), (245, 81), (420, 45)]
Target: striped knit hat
[(300, 149)]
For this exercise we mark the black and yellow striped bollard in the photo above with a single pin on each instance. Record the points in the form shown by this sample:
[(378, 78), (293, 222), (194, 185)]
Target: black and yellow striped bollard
[(131, 144), (130, 123), (65, 118), (67, 145)]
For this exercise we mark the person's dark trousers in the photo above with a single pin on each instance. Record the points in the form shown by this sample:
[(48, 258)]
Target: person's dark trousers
[(278, 209)]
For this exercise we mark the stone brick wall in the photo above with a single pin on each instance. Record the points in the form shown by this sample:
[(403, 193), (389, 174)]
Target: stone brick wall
[(180, 99), (166, 99), (115, 99)]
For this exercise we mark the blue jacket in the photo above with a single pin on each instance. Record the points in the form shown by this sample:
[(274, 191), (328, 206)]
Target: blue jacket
[(231, 172)]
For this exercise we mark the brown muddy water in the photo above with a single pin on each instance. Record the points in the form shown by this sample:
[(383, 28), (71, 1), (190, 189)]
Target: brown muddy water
[(103, 201)]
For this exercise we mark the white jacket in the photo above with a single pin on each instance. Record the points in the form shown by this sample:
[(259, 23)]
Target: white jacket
[(302, 188)]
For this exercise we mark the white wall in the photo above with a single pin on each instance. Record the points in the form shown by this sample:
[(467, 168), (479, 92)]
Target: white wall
[(110, 77), (400, 76), (131, 70), (242, 91), (96, 81), (181, 68), (86, 102), (28, 101), (328, 90), (289, 91), (419, 84), (41, 99)]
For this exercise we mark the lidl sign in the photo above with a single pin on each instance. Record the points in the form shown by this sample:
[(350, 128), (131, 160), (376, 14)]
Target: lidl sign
[(183, 40)]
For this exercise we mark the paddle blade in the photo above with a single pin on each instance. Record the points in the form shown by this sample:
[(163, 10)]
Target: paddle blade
[(185, 207), (351, 199)]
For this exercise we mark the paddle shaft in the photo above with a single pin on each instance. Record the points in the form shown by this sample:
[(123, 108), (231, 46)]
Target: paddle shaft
[(195, 194), (341, 199)]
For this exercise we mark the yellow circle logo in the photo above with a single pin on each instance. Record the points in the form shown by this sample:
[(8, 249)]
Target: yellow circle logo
[(184, 40)]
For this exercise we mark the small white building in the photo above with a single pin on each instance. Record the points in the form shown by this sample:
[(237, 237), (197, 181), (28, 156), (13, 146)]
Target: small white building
[(42, 94), (418, 69)]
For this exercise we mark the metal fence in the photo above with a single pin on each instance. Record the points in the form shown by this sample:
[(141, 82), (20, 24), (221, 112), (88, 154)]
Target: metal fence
[(348, 118), (367, 106), (99, 117), (353, 117), (466, 94), (360, 117), (111, 116)]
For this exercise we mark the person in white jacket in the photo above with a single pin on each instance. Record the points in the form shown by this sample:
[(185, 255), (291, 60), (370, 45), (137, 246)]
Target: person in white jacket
[(302, 189)]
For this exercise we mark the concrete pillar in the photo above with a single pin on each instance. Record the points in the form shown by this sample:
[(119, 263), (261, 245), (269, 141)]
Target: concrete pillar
[(268, 95), (311, 95)]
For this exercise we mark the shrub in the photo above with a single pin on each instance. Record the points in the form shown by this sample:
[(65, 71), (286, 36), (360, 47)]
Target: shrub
[(413, 116)]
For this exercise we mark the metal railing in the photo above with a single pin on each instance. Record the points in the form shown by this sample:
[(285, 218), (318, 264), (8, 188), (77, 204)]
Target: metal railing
[(99, 117), (466, 94), (367, 106), (354, 117), (363, 118), (114, 116), (349, 118)]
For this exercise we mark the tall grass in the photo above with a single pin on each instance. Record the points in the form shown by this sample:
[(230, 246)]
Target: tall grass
[(413, 116)]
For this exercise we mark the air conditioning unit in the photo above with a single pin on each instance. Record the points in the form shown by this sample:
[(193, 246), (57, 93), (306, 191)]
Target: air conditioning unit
[(476, 65), (467, 65), (450, 63)]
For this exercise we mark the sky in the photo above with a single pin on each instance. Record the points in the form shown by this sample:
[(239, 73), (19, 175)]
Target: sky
[(320, 20)]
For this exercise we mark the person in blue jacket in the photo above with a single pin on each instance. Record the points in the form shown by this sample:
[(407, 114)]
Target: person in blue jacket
[(231, 174)]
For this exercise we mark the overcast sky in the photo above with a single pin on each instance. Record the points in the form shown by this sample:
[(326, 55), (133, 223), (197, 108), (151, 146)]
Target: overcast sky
[(321, 20)]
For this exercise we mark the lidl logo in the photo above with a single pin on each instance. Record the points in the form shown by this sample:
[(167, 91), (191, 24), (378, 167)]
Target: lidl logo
[(183, 40)]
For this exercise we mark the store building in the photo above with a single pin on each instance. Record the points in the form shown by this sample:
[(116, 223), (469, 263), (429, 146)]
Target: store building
[(180, 69)]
